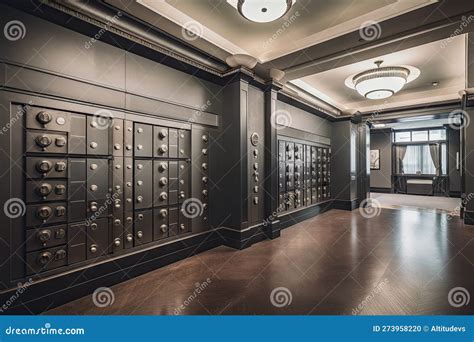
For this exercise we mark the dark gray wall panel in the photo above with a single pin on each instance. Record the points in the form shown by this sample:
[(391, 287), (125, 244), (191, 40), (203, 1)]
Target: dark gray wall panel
[(341, 160), (164, 83), (382, 141), (305, 121), (47, 46), (454, 148)]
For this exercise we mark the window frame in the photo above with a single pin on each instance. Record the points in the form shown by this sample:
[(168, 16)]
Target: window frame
[(427, 142)]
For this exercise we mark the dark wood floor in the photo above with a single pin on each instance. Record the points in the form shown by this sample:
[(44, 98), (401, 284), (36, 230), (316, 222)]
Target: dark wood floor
[(400, 262)]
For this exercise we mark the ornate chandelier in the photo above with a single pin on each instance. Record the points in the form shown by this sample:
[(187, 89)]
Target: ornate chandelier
[(382, 82), (262, 11)]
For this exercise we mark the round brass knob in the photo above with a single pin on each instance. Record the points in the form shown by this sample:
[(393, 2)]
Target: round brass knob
[(139, 234), (204, 151), (93, 187), (181, 194), (139, 147), (44, 117), (163, 167), (163, 134), (44, 258), (163, 149), (205, 138), (128, 147), (43, 140), (93, 145), (204, 166), (93, 249), (182, 226), (44, 166), (117, 242), (140, 216), (204, 180), (117, 222), (44, 212), (60, 142), (93, 206), (60, 210), (163, 212), (44, 189), (60, 254), (44, 235), (60, 189), (129, 219), (117, 146), (129, 238), (163, 228), (140, 199), (204, 193), (163, 181), (163, 196)]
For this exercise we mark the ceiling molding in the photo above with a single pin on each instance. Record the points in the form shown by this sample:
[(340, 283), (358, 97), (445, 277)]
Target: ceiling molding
[(126, 27)]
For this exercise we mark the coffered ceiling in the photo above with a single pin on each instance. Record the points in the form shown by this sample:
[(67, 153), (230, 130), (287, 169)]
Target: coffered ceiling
[(319, 43), (439, 61), (307, 23)]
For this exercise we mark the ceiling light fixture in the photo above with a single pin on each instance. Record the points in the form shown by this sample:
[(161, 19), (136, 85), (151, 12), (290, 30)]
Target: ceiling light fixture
[(382, 82), (262, 11)]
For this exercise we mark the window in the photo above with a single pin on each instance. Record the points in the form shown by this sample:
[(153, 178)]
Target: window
[(419, 136), (402, 136), (437, 134), (418, 160)]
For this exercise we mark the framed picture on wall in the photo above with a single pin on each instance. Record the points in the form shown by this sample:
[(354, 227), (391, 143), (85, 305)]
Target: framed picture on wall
[(375, 159)]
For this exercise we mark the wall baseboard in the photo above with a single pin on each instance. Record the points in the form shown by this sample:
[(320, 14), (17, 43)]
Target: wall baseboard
[(381, 190), (346, 204), (469, 217)]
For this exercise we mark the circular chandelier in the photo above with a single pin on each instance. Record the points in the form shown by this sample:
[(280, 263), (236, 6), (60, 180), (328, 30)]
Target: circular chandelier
[(263, 11), (382, 82)]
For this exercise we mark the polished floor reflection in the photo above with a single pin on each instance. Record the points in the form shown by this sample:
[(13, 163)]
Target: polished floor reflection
[(398, 262)]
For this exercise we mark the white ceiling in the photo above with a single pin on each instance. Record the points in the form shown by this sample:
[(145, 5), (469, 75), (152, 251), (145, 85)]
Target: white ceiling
[(307, 23), (438, 62)]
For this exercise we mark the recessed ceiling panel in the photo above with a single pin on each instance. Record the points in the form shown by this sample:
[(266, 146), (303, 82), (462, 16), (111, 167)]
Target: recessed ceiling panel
[(307, 23)]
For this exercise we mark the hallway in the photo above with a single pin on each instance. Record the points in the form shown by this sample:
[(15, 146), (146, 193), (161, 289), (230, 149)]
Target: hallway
[(398, 262), (447, 205)]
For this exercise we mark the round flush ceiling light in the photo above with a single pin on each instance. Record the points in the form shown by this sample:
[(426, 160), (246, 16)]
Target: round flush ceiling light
[(382, 82), (263, 11)]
